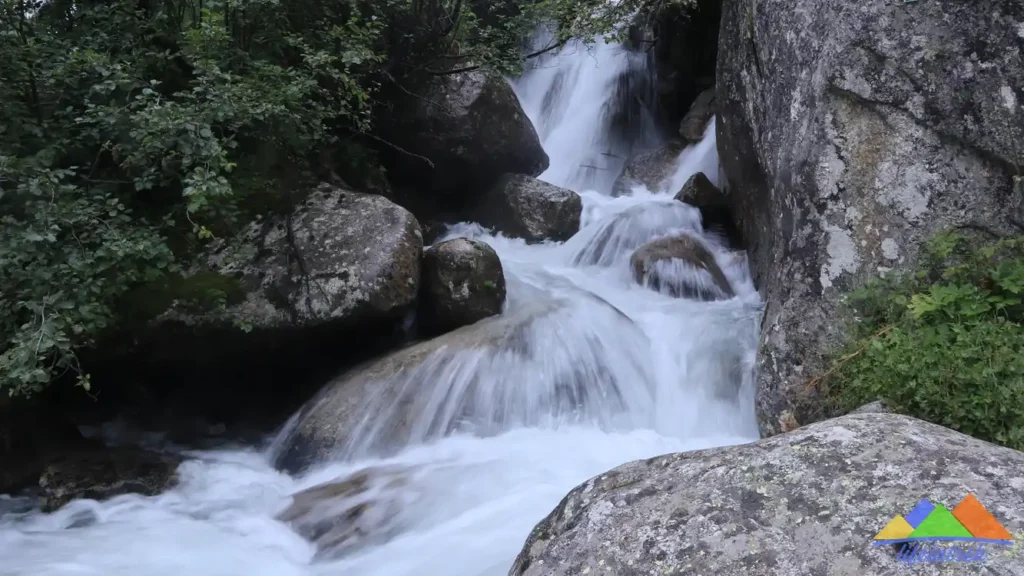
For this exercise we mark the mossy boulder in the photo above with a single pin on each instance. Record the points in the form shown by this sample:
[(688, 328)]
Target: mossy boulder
[(463, 283)]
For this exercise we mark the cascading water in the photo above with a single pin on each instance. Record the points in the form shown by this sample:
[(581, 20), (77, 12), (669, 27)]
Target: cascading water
[(460, 449)]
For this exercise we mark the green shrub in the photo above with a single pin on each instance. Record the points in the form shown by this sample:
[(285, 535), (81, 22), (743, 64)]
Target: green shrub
[(945, 343)]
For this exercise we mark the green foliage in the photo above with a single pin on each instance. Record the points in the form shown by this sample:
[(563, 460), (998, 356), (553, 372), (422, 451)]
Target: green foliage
[(132, 131), (946, 343)]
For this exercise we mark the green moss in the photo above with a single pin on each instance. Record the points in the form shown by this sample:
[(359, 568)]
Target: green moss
[(200, 292)]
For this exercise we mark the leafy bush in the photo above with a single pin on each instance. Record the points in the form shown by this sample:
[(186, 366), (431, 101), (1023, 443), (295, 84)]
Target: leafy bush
[(944, 344)]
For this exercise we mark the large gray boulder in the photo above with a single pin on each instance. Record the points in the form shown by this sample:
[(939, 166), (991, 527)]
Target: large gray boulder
[(301, 294), (457, 134), (525, 207), (850, 132), (339, 257), (463, 283), (807, 502)]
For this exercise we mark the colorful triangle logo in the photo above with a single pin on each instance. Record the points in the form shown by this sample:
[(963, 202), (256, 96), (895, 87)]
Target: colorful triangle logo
[(968, 521)]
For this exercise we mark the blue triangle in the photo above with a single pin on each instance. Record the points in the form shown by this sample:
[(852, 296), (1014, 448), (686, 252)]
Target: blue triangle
[(919, 513)]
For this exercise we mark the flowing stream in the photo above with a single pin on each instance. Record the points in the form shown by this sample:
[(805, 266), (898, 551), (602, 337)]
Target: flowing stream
[(619, 372)]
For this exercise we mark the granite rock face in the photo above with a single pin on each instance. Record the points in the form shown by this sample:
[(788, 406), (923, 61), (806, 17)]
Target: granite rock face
[(524, 207), (849, 133), (806, 502), (463, 283)]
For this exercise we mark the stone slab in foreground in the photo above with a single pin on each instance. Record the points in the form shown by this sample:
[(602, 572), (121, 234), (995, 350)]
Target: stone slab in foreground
[(806, 502)]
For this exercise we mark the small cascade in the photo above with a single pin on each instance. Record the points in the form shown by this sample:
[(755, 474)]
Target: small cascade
[(587, 138)]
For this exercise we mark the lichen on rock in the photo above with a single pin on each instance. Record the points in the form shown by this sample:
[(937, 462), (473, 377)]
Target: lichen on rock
[(806, 502)]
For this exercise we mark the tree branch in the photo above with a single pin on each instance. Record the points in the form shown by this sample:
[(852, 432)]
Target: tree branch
[(471, 68)]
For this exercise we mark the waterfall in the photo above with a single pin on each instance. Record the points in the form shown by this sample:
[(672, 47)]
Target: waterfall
[(458, 447)]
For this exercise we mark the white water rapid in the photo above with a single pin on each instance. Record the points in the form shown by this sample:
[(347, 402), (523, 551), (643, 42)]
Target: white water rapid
[(665, 375)]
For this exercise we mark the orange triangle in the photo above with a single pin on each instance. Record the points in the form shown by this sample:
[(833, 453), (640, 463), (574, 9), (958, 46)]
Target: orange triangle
[(978, 521)]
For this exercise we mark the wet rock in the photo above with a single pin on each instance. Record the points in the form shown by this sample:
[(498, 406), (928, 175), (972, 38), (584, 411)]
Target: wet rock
[(463, 283), (621, 234), (680, 266), (328, 425), (807, 502), (715, 212), (848, 136), (459, 134), (691, 128), (349, 513), (524, 207), (650, 169), (303, 293), (31, 432), (526, 367), (102, 473)]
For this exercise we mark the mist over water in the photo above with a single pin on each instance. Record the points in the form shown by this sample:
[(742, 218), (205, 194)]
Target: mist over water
[(616, 372)]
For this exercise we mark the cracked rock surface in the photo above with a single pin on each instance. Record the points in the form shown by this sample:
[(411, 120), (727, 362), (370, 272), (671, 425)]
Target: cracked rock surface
[(806, 502), (849, 133)]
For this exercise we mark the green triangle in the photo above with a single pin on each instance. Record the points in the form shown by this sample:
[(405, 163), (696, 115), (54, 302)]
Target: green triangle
[(940, 523)]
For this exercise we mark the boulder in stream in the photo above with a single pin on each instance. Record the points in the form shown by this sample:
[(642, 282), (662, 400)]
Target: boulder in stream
[(347, 513), (849, 134), (463, 283), (649, 169), (457, 134), (102, 473), (680, 266), (525, 207), (715, 211), (806, 502), (692, 126)]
